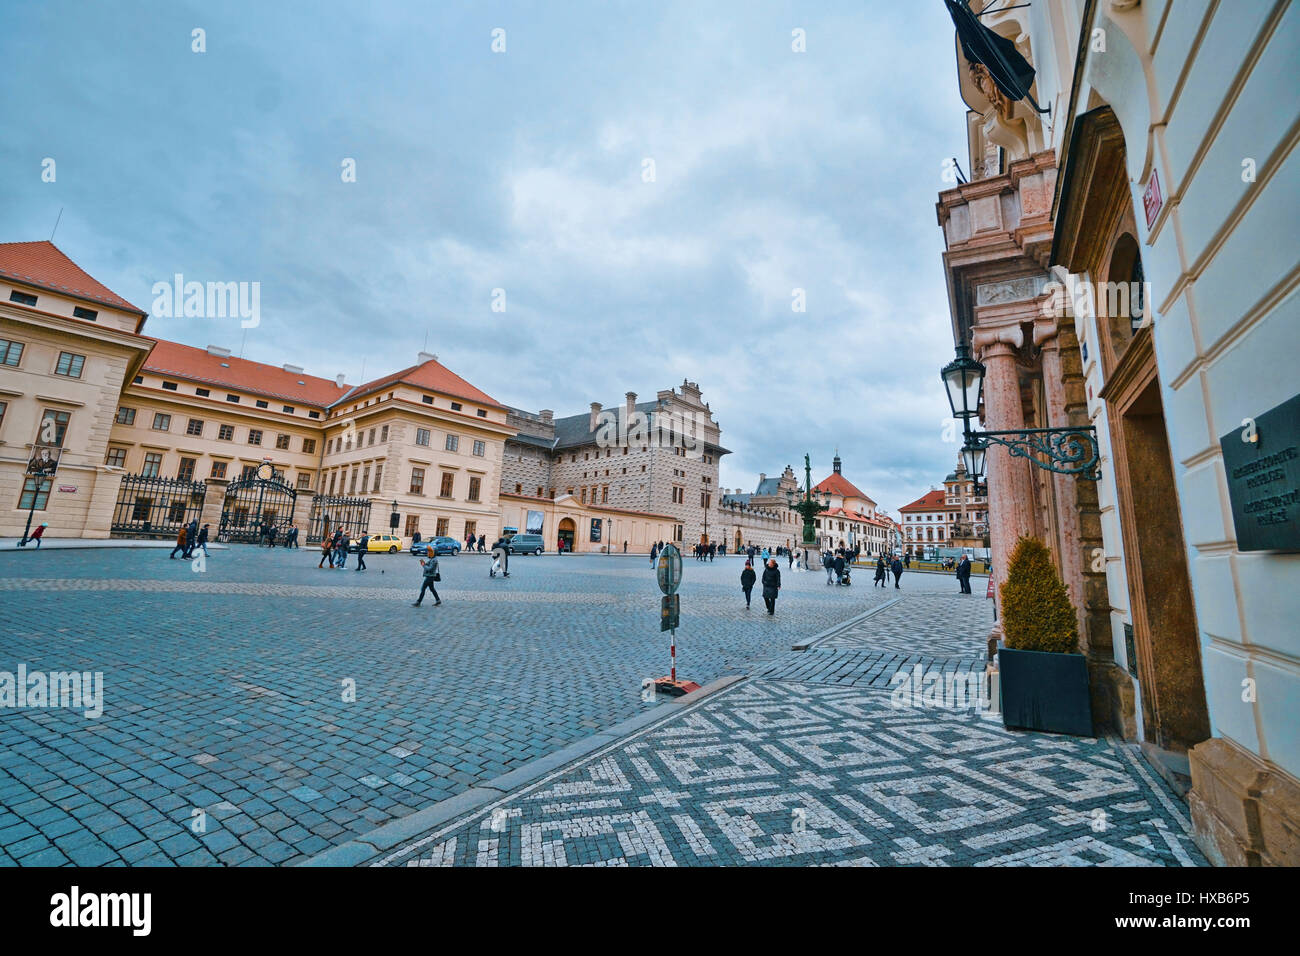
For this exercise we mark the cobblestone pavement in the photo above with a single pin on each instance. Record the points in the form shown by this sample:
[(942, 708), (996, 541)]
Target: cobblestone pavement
[(226, 735), (796, 773)]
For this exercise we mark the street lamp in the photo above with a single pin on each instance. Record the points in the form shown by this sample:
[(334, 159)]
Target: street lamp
[(1066, 451)]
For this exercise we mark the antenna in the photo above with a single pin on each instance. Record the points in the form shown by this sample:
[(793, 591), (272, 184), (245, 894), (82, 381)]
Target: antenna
[(426, 341), (242, 339), (56, 224)]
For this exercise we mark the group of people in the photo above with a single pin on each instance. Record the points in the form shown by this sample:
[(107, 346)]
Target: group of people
[(885, 568), (705, 552), (269, 534), (189, 537), (771, 582), (334, 549), (838, 565), (471, 540)]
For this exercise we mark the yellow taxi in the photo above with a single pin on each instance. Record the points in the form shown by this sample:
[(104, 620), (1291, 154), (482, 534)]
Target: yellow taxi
[(381, 542)]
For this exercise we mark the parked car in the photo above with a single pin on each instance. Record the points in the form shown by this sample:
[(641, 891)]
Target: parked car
[(525, 544), (440, 545), (378, 542)]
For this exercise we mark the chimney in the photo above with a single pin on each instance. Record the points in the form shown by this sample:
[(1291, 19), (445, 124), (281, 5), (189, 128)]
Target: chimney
[(630, 407), (548, 415), (761, 477), (427, 357), (292, 369), (338, 379), (218, 351), (595, 414)]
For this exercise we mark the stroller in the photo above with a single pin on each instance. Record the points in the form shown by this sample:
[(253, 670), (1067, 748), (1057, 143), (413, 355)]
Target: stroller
[(499, 564), (845, 578)]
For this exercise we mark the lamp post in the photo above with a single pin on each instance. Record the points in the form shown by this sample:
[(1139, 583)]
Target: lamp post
[(1065, 451), (808, 508)]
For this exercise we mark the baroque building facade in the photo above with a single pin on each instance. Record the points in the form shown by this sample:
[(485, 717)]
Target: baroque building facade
[(1127, 261)]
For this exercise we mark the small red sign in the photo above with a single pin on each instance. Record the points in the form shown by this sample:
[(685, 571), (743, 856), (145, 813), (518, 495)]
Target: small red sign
[(67, 488), (990, 591), (1152, 201)]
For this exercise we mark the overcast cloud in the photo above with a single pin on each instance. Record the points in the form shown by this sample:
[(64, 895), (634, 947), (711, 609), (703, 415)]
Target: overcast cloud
[(522, 171)]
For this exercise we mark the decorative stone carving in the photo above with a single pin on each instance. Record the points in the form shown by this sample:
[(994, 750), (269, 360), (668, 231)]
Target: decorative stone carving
[(1009, 290)]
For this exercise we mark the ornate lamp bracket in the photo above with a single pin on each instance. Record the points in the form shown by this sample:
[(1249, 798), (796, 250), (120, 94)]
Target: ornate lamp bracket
[(1065, 451)]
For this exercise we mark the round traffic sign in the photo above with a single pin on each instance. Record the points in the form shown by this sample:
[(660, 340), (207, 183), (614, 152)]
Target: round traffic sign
[(669, 570)]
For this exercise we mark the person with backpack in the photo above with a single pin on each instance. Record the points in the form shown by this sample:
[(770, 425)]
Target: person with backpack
[(747, 578), (202, 541), (180, 543), (326, 551), (500, 559), (430, 577), (361, 551)]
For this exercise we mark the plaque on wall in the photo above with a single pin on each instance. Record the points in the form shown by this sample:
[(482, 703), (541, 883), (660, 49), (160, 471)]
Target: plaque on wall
[(1262, 461)]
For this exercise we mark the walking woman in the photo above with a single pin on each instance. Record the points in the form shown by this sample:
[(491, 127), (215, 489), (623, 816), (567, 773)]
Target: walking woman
[(771, 585), (431, 575), (326, 551), (881, 573), (747, 578)]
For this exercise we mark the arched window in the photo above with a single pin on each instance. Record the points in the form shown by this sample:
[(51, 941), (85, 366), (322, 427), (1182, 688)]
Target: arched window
[(1121, 305)]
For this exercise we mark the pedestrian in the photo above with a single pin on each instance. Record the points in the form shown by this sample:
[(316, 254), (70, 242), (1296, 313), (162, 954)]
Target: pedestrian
[(789, 559), (625, 547), (270, 535), (482, 540), (897, 568), (191, 537), (500, 559), (747, 578), (361, 551), (469, 541), (963, 574), (341, 555), (907, 558), (839, 569), (882, 575), (654, 554), (203, 540), (828, 562), (771, 585), (180, 543), (38, 534), (326, 552), (431, 576)]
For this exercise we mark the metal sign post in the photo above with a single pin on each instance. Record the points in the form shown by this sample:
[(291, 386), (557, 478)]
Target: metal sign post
[(669, 574)]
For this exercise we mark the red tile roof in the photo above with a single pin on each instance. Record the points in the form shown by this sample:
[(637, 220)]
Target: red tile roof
[(187, 362), (43, 264), (931, 501), (433, 376), (837, 484)]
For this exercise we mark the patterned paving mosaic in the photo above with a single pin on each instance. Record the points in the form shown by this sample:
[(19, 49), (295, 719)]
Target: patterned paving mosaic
[(786, 773)]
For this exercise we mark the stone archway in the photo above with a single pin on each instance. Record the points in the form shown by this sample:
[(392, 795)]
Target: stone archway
[(566, 534)]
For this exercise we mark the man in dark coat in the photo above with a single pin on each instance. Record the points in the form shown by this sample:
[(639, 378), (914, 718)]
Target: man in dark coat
[(897, 568), (963, 574), (180, 543), (881, 574), (747, 578), (362, 546), (771, 585), (839, 569)]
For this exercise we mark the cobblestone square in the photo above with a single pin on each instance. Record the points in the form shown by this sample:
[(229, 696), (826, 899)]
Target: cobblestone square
[(230, 735)]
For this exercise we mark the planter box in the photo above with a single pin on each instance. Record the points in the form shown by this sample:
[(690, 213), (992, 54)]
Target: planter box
[(1047, 692)]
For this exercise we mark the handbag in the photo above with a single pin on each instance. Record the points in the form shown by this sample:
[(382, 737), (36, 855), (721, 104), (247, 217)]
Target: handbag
[(437, 575)]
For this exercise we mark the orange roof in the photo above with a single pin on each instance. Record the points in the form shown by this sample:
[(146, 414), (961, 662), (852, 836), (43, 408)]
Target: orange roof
[(431, 375), (931, 501), (43, 264), (185, 361), (837, 484)]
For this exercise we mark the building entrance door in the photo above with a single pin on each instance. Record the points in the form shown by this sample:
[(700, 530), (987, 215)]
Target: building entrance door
[(566, 534)]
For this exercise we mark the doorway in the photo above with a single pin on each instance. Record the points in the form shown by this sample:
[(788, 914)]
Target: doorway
[(566, 534)]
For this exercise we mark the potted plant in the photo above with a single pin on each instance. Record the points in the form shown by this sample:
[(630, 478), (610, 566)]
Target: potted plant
[(1044, 680)]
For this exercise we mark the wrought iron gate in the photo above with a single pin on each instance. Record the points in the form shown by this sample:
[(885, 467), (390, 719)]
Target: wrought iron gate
[(255, 504), (152, 507), (329, 512)]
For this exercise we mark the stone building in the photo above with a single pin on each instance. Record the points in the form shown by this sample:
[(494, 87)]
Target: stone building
[(656, 459), (68, 346), (762, 518), (1128, 262), (852, 519)]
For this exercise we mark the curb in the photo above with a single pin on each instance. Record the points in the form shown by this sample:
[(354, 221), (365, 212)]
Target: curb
[(362, 849), (842, 626)]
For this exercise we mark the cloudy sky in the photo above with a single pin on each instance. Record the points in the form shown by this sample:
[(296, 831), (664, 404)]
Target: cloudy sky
[(526, 171)]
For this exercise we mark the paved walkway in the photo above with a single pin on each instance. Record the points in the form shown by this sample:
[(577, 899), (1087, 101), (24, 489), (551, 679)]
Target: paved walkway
[(792, 773)]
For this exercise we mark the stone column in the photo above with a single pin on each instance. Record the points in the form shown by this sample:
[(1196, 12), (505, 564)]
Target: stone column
[(1067, 531), (1011, 490)]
